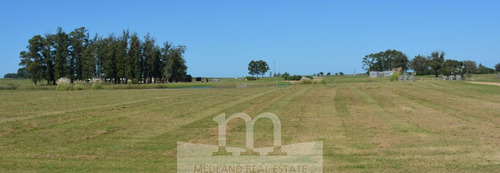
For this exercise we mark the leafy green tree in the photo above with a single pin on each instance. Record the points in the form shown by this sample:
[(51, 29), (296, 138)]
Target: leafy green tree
[(148, 55), (78, 43), (106, 58), (158, 64), (33, 60), (165, 53), (420, 64), (22, 73), (100, 53), (89, 60), (497, 67), (10, 75), (122, 60), (451, 67), (436, 61), (61, 44), (285, 75), (134, 54), (385, 60), (175, 67), (485, 70), (470, 67), (253, 68), (35, 67), (259, 67), (110, 60), (400, 60), (263, 67), (48, 57)]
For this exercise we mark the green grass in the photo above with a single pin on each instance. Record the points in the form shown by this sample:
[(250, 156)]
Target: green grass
[(366, 124), (486, 78)]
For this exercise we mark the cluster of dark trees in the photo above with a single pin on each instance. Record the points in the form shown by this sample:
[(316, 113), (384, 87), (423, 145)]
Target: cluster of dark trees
[(19, 75), (385, 60), (434, 64), (287, 76), (113, 58), (259, 67)]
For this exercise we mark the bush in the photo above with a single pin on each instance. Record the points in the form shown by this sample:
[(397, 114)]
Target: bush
[(285, 75), (79, 81), (135, 81), (294, 77), (77, 87), (63, 84), (395, 76), (251, 78), (63, 87), (10, 75), (96, 86), (305, 80), (318, 81)]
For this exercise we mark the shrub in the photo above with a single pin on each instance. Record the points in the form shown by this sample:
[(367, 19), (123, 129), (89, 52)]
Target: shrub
[(63, 87), (79, 81), (135, 81), (251, 78), (63, 84), (285, 75), (294, 77), (77, 87), (305, 80), (96, 86), (318, 81), (395, 76)]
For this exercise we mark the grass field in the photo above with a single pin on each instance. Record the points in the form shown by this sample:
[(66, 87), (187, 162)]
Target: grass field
[(366, 125)]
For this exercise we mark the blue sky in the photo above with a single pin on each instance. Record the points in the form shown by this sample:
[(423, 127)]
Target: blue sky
[(301, 37)]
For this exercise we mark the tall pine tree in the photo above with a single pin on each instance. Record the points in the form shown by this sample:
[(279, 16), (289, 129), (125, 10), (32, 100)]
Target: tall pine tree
[(61, 44)]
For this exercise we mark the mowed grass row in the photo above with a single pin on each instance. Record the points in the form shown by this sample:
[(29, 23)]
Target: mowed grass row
[(365, 125), (422, 126)]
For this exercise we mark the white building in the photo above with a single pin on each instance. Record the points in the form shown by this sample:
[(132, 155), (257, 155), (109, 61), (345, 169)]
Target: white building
[(380, 73)]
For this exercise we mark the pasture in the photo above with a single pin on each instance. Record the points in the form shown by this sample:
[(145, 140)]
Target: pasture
[(366, 125)]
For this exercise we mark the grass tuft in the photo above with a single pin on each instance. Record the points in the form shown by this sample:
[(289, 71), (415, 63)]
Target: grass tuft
[(63, 84)]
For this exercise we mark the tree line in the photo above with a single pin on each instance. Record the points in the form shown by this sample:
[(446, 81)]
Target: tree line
[(77, 56), (434, 64)]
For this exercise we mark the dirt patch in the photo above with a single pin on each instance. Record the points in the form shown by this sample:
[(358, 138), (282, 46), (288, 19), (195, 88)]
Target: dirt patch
[(487, 83), (170, 154), (293, 82)]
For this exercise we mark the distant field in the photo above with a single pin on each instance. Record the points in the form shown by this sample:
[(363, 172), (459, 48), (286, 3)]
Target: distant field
[(366, 125), (26, 84)]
